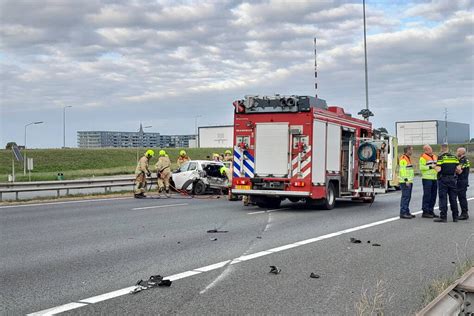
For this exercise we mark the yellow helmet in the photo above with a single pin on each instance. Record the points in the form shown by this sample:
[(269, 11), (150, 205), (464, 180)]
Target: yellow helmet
[(150, 153), (228, 152), (182, 153), (223, 170), (162, 153)]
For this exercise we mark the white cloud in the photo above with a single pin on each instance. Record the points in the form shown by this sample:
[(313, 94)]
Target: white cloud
[(177, 59)]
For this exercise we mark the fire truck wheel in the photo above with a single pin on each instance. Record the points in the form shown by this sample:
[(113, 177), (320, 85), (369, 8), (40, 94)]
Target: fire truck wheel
[(199, 188), (330, 200)]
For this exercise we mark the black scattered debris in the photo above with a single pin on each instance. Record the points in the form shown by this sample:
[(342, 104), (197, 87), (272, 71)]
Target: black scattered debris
[(213, 239), (166, 283), (368, 241), (179, 242), (453, 262), (275, 270), (355, 241), (314, 276), (153, 281), (376, 245), (212, 231), (259, 237)]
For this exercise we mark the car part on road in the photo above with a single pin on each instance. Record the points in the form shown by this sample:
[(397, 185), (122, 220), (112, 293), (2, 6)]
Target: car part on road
[(213, 239), (314, 276), (275, 270), (355, 241), (152, 282), (212, 231)]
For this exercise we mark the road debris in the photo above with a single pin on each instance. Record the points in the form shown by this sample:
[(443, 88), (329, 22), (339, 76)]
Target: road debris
[(355, 241), (259, 237), (314, 276), (213, 239), (212, 231), (152, 282), (368, 241), (376, 245), (275, 270)]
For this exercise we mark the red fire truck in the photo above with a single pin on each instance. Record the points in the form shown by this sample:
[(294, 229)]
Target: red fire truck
[(298, 148)]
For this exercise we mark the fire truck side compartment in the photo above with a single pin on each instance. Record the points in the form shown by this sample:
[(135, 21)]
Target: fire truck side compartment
[(319, 153)]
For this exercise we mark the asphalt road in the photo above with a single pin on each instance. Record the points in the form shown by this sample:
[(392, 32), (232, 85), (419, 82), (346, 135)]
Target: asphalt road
[(57, 254)]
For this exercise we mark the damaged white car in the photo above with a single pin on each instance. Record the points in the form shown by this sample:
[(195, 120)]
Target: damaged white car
[(200, 177)]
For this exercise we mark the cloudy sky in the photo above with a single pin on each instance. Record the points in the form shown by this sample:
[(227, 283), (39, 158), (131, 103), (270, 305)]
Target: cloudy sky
[(119, 63)]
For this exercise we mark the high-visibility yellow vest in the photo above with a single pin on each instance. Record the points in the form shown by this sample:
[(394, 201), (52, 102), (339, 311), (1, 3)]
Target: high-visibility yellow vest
[(406, 172), (427, 164)]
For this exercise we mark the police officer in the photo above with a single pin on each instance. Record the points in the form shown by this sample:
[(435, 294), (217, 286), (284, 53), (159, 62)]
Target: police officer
[(446, 167), (405, 177), (463, 181)]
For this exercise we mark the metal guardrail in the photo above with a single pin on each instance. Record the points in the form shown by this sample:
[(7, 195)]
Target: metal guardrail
[(458, 299), (66, 185)]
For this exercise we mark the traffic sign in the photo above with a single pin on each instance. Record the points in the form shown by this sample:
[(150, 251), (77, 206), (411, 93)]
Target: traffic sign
[(17, 153)]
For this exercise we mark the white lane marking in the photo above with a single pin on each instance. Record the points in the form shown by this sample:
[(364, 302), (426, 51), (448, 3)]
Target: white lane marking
[(267, 211), (250, 257), (59, 309), (183, 275), (158, 206), (64, 202), (212, 266), (70, 306), (107, 296), (281, 248)]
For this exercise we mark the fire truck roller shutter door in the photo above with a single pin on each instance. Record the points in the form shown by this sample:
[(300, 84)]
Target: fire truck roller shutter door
[(319, 152), (333, 148), (271, 149)]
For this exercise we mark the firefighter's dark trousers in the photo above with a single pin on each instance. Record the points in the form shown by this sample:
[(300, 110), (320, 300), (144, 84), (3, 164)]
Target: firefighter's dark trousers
[(447, 188)]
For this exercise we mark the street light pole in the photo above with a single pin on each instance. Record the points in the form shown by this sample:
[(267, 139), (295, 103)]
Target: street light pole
[(196, 129), (24, 158), (64, 124)]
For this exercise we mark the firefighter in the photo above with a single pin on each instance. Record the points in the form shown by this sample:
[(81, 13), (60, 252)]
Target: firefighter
[(429, 178), (216, 157), (183, 158), (447, 167), (163, 171), (225, 172), (228, 156), (406, 175), (463, 182), (141, 172)]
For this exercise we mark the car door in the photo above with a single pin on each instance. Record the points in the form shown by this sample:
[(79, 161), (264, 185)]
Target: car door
[(180, 176)]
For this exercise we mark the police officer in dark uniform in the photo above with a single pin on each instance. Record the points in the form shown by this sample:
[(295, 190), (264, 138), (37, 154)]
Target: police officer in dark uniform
[(463, 182), (446, 167)]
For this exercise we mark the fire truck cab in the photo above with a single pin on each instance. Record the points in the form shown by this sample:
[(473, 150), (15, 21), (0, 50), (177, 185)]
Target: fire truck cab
[(298, 148)]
